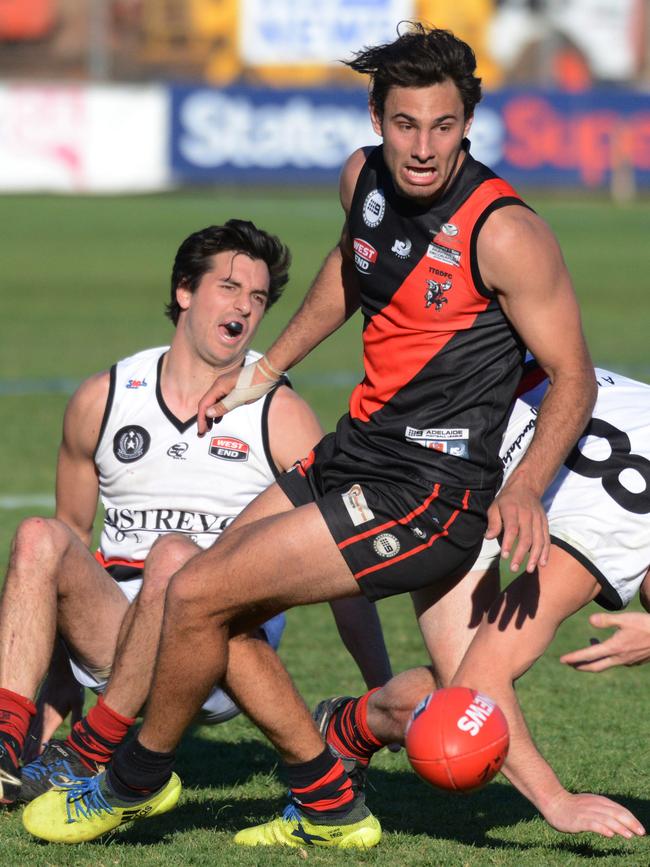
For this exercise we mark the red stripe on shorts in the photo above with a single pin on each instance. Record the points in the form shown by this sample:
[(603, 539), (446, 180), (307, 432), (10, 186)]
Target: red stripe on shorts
[(115, 561), (443, 532), (405, 520)]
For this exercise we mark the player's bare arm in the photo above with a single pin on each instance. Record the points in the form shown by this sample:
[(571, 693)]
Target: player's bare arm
[(330, 301), (521, 261), (518, 629), (294, 428), (77, 486)]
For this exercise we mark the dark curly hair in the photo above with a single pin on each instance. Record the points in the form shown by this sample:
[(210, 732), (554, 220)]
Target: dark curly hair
[(419, 58), (241, 236)]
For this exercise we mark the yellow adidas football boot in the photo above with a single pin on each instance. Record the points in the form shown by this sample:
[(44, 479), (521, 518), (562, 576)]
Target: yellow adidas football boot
[(82, 809), (294, 829)]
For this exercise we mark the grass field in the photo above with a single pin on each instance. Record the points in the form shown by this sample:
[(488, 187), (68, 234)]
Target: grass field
[(84, 283)]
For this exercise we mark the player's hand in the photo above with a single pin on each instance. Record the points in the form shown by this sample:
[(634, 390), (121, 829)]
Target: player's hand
[(244, 385), (629, 645), (584, 812), (59, 696), (518, 514)]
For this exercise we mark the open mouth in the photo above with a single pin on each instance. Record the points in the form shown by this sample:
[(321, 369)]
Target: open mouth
[(233, 328)]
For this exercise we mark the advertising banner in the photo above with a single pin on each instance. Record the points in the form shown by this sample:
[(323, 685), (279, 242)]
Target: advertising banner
[(295, 32), (531, 137), (78, 138)]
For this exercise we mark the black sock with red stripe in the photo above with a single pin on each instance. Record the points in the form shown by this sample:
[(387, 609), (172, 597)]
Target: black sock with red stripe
[(96, 737), (16, 712), (320, 787), (348, 731), (136, 772)]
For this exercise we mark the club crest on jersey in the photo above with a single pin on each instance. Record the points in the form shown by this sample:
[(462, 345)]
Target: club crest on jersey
[(177, 451), (137, 383), (435, 294), (386, 545), (365, 255), (443, 254), (229, 449), (131, 443), (449, 229), (374, 208), (402, 249)]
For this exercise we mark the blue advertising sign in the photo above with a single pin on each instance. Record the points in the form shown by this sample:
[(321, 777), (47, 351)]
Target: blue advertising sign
[(531, 137)]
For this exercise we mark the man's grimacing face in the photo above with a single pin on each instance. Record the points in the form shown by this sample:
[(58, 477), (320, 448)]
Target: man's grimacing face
[(423, 129)]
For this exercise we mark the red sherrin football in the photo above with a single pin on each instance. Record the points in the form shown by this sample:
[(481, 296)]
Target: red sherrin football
[(457, 739)]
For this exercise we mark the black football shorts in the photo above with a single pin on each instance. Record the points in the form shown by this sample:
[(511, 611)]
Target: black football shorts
[(395, 534)]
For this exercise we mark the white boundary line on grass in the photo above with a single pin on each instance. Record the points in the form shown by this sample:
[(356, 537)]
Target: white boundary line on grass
[(21, 501)]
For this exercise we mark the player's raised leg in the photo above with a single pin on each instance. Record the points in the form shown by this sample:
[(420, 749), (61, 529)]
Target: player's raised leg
[(229, 587), (51, 578)]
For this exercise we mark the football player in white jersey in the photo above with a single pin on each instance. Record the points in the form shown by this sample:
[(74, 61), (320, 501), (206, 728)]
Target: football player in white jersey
[(129, 436), (598, 509)]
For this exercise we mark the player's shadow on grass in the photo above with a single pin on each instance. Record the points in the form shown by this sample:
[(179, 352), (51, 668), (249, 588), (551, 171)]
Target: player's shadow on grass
[(402, 803), (204, 763), (472, 818)]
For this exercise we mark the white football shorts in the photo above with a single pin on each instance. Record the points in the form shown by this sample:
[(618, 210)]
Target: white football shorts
[(598, 505)]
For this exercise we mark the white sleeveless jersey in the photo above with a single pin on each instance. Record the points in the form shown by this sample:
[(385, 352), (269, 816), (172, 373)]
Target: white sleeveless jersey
[(598, 505), (157, 476)]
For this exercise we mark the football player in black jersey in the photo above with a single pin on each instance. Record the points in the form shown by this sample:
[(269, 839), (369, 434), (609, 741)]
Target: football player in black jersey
[(401, 496)]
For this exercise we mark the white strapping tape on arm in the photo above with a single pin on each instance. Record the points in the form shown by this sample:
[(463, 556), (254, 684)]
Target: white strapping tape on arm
[(244, 392)]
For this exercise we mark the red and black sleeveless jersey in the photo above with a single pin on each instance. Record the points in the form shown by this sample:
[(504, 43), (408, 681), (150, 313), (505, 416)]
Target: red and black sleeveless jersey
[(441, 361)]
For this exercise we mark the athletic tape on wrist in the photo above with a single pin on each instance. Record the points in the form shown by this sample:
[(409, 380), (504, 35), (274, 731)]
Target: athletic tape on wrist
[(243, 392)]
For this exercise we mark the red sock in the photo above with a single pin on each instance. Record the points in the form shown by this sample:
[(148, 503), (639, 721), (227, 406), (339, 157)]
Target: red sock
[(16, 713), (349, 733), (321, 786), (99, 733)]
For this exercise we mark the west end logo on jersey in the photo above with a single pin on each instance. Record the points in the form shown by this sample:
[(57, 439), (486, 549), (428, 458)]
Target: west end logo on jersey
[(137, 383), (443, 254), (450, 441), (131, 443), (229, 449), (386, 545), (374, 208), (402, 249), (365, 255), (435, 294)]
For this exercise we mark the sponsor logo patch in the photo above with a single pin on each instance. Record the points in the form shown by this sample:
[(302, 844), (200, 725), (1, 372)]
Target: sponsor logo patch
[(356, 505), (229, 449), (449, 229), (386, 545), (451, 441), (402, 249), (365, 255), (435, 294), (131, 443), (374, 208), (137, 383), (443, 254), (177, 451)]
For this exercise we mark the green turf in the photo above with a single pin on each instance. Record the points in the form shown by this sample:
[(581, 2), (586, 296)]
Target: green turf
[(84, 282)]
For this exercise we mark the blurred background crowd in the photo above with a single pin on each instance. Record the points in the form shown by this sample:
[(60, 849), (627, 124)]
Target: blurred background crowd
[(569, 44), (568, 83)]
